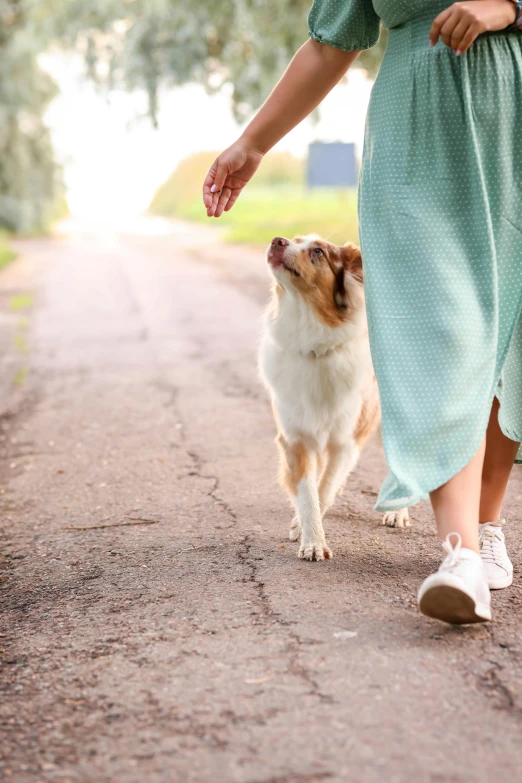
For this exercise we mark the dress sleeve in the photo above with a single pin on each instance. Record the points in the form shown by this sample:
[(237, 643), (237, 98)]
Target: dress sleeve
[(349, 25)]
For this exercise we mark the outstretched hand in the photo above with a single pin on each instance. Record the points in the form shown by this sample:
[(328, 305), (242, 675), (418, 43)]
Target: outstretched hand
[(227, 177), (461, 23)]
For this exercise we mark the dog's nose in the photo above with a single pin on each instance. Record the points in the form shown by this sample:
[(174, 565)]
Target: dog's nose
[(280, 242)]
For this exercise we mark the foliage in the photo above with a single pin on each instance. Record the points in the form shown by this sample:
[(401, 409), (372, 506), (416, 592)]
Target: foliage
[(28, 173), (149, 43), (278, 202), (132, 44)]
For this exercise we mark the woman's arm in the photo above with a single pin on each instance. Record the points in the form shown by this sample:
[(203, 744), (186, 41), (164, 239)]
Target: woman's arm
[(312, 73)]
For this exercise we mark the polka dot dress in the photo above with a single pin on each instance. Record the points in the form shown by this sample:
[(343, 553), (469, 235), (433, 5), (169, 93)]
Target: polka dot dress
[(440, 209)]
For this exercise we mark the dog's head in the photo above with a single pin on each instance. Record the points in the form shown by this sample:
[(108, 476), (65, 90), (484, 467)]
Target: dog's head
[(327, 277)]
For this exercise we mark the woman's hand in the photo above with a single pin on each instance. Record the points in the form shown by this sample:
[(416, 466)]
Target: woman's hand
[(315, 69), (228, 175), (461, 23)]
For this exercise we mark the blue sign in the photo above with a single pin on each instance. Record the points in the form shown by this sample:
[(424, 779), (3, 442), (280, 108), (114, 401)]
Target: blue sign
[(331, 164)]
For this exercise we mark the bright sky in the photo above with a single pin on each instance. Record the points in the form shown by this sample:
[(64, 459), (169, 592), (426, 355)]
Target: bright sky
[(114, 159)]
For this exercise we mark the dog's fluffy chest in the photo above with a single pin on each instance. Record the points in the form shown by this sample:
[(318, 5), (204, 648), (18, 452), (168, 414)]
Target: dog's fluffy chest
[(316, 376)]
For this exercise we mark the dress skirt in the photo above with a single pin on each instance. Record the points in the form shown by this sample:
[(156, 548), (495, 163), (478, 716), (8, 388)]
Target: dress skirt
[(440, 209)]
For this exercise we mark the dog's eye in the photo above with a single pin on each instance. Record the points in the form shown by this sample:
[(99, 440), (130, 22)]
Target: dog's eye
[(316, 253)]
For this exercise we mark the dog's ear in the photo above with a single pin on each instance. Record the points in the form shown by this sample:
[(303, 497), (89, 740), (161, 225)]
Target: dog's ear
[(340, 296), (352, 260)]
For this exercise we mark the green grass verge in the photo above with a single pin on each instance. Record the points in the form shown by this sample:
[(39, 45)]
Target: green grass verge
[(20, 376), (262, 213), (7, 254), (275, 202), (21, 302)]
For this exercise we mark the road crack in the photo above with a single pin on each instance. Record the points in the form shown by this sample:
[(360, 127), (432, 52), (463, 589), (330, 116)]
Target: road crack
[(245, 555), (492, 685), (267, 616), (197, 467), (197, 470)]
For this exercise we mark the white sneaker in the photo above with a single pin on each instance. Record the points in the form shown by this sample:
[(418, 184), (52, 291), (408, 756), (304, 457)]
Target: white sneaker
[(497, 565), (458, 592)]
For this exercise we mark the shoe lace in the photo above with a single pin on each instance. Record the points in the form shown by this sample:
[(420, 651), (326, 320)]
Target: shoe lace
[(452, 552), (489, 535)]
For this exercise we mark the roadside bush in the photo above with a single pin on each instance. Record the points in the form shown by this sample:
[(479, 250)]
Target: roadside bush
[(275, 202)]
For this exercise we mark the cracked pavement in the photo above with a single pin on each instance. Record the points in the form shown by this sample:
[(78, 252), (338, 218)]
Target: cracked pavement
[(157, 624)]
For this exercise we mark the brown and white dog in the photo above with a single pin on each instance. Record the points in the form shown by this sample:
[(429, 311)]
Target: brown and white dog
[(315, 360)]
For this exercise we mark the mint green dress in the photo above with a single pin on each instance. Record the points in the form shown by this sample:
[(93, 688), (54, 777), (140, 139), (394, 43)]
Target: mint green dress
[(440, 212)]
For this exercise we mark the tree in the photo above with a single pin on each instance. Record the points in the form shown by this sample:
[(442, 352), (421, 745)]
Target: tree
[(152, 43), (131, 44), (29, 176)]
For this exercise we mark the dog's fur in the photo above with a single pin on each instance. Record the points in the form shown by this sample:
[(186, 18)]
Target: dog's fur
[(315, 361)]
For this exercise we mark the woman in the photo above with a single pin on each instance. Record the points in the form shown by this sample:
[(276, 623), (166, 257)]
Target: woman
[(441, 236)]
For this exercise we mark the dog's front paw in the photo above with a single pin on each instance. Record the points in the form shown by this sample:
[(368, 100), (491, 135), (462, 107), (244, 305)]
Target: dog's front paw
[(315, 550), (398, 518), (295, 529)]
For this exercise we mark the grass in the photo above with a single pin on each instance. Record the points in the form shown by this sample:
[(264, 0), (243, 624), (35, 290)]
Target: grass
[(20, 376), (21, 302), (275, 202), (20, 344), (7, 254), (261, 213)]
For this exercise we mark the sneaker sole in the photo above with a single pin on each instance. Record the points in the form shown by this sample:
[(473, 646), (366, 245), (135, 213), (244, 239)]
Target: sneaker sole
[(500, 584), (452, 605)]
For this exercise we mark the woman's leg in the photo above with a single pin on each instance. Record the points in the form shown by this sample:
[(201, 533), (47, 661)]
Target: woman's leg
[(458, 592), (498, 462), (456, 504), (476, 493)]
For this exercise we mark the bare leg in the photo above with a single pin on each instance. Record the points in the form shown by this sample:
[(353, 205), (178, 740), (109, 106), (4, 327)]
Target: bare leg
[(498, 462), (456, 504)]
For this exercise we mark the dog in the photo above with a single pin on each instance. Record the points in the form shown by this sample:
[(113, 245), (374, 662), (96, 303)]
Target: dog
[(314, 359)]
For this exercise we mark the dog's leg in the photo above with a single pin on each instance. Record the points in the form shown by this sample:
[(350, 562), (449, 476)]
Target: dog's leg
[(295, 526), (341, 461), (287, 481), (399, 518), (299, 468), (313, 542)]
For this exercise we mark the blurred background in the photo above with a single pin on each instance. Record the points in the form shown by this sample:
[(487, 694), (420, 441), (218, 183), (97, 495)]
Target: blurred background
[(109, 108)]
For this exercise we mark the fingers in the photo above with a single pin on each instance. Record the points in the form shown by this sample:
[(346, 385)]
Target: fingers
[(220, 176), (449, 27), (232, 200), (207, 185), (222, 202), (458, 33), (437, 25), (471, 34), (213, 186), (458, 26), (217, 200)]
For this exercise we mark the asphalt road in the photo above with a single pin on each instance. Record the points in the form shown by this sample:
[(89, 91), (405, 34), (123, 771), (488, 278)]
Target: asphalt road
[(156, 623)]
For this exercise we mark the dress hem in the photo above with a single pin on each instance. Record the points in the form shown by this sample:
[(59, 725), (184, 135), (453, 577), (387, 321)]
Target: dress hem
[(394, 504)]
